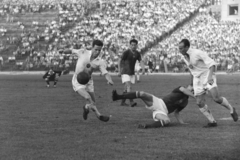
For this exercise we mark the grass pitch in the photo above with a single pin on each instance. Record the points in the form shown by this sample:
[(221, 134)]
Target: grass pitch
[(46, 123)]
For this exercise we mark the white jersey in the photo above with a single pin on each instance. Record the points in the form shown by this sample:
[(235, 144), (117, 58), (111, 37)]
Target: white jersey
[(137, 66), (198, 62), (84, 59)]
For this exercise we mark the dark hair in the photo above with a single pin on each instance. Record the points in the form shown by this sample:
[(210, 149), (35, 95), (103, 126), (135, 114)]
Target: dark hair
[(185, 42), (97, 42), (133, 41)]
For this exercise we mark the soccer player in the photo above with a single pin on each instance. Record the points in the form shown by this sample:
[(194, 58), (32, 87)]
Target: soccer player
[(52, 75), (176, 101), (87, 61), (202, 69), (127, 69), (137, 70)]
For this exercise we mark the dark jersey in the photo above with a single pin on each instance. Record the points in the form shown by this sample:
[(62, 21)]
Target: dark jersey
[(51, 75), (128, 62), (175, 100)]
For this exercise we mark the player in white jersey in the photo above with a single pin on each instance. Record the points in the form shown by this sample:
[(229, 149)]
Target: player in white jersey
[(87, 61), (202, 69), (137, 70)]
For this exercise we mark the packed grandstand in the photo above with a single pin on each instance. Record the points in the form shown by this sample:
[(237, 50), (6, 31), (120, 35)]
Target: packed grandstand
[(36, 34)]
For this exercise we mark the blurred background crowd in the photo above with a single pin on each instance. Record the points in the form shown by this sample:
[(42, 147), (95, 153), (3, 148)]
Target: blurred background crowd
[(36, 34)]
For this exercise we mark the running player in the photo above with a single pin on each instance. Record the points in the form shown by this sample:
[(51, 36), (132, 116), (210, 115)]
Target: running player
[(127, 69), (202, 69), (87, 61)]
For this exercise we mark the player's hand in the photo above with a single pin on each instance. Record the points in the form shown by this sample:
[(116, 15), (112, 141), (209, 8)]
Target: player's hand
[(46, 79)]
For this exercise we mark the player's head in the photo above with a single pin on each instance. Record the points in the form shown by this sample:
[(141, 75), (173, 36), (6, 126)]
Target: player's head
[(96, 48), (133, 44), (184, 46)]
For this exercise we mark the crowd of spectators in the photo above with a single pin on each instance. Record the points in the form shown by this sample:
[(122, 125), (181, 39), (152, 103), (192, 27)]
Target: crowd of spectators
[(36, 42), (219, 39), (117, 22)]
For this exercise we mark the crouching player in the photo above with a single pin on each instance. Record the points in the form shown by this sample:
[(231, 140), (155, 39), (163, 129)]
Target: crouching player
[(173, 102), (52, 75), (87, 61)]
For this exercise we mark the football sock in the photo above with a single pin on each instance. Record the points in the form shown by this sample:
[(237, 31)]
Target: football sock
[(55, 82), (138, 77), (124, 100), (128, 95), (156, 124), (47, 82), (227, 105), (207, 113)]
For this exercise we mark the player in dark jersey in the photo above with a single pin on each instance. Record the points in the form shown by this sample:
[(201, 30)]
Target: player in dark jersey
[(52, 75), (127, 69), (173, 102)]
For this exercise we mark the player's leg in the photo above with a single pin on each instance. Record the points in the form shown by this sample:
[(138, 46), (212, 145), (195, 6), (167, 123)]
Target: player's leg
[(95, 110), (200, 92), (162, 121), (125, 80), (55, 82), (138, 75), (93, 107), (123, 102), (129, 87), (223, 102), (47, 81), (82, 92), (205, 111), (146, 97)]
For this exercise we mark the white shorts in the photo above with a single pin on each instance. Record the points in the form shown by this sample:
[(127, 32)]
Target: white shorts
[(200, 84), (128, 78), (76, 86), (157, 107), (229, 67)]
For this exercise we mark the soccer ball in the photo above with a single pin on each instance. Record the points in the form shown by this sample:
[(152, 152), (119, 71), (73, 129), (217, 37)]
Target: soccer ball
[(83, 78)]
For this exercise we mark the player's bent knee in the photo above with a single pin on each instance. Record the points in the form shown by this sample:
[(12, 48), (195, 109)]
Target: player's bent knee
[(217, 99), (164, 119), (200, 103), (91, 106)]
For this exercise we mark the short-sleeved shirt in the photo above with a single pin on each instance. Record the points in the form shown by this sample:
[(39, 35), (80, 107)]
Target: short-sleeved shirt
[(128, 61), (175, 100), (84, 60), (198, 62)]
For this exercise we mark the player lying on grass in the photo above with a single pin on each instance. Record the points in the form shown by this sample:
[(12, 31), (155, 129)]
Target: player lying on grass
[(161, 107), (52, 75)]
